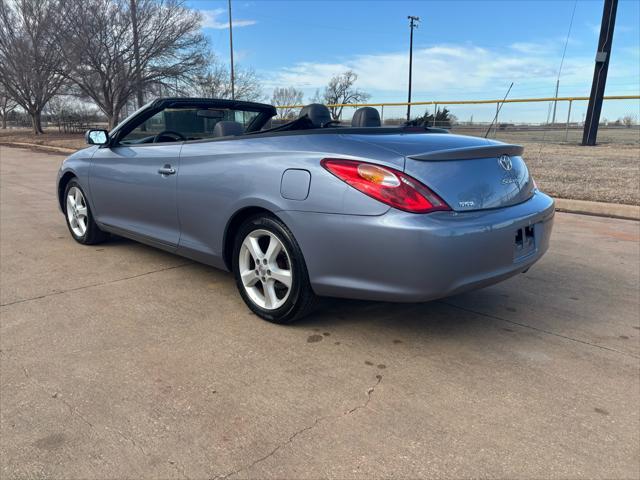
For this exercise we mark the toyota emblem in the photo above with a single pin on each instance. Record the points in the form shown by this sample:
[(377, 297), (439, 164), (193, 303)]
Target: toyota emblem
[(505, 162)]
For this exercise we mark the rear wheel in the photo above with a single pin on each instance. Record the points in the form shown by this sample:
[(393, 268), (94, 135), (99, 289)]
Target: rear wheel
[(270, 271), (79, 218)]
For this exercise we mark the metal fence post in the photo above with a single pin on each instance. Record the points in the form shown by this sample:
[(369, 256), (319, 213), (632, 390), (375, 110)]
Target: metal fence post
[(382, 115), (566, 132)]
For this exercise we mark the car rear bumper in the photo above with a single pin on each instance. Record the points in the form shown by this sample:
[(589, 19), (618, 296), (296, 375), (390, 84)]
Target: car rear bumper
[(406, 257)]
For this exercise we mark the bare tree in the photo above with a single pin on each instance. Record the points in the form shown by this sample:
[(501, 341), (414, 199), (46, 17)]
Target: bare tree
[(317, 97), (109, 65), (68, 112), (57, 110), (29, 55), (216, 83), (341, 91), (628, 121), (7, 105), (285, 98)]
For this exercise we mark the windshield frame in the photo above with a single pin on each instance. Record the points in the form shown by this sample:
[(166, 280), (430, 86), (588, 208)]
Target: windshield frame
[(264, 113)]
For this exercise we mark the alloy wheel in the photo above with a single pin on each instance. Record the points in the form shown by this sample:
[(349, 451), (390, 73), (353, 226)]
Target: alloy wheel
[(265, 269), (77, 212)]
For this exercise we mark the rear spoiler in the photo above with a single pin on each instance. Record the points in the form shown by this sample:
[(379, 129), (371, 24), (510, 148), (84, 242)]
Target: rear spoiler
[(468, 153)]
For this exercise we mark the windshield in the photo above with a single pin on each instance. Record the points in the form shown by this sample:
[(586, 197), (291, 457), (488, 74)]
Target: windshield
[(185, 124), (117, 127)]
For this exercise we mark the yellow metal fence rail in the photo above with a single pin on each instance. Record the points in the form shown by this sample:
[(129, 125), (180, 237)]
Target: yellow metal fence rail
[(497, 102), (471, 102)]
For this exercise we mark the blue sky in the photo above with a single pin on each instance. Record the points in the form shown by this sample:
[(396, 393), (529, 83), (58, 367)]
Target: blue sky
[(462, 49)]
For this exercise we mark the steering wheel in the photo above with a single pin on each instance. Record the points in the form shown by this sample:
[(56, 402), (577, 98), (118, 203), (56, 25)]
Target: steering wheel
[(168, 133)]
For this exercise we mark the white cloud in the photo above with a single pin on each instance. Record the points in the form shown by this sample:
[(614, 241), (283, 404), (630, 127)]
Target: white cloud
[(217, 19), (453, 71), (530, 47), (441, 67), (546, 47)]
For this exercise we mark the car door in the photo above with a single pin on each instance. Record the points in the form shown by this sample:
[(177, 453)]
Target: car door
[(133, 184)]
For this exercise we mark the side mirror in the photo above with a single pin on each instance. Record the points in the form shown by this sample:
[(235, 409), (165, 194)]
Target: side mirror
[(97, 137)]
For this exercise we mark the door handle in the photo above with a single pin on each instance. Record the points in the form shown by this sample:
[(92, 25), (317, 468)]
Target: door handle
[(167, 170)]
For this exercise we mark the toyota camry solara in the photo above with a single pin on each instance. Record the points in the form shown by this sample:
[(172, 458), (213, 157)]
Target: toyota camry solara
[(309, 208)]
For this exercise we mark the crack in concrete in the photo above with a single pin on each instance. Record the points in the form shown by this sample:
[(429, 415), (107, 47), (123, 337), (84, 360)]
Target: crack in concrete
[(369, 393), (130, 440), (292, 437), (273, 452), (95, 285), (541, 330)]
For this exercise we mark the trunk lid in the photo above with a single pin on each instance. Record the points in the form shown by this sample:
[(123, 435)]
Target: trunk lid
[(468, 173)]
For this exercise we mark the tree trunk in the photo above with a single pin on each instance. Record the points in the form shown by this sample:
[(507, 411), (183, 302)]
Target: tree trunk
[(36, 122), (113, 120), (4, 122), (136, 51)]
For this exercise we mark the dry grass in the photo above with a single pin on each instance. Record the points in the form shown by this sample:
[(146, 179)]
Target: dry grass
[(51, 138), (606, 135), (604, 173), (609, 172)]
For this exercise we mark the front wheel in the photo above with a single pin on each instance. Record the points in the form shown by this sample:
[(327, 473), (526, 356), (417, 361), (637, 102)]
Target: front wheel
[(270, 271), (79, 218)]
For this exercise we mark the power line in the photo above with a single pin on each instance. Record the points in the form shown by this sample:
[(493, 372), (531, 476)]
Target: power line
[(564, 52), (566, 42)]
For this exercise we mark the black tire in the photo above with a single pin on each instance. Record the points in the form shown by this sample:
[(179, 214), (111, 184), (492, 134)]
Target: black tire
[(301, 299), (93, 234)]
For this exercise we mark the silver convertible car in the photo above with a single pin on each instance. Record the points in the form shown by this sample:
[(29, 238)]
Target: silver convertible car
[(309, 208)]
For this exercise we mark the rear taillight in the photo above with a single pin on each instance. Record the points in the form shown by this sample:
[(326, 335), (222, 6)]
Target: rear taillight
[(386, 185)]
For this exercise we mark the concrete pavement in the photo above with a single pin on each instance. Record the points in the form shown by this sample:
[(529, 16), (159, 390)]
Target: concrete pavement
[(119, 360)]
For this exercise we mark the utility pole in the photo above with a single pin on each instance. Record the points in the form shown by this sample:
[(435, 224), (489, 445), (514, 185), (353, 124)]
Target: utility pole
[(233, 88), (413, 23), (555, 102), (603, 55), (136, 51)]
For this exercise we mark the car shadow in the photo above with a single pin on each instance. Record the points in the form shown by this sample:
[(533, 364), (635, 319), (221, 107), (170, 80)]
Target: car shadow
[(436, 317), (542, 302), (114, 239)]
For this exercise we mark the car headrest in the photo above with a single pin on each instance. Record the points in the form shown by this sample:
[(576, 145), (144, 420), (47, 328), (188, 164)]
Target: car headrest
[(225, 128), (316, 112), (366, 117)]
